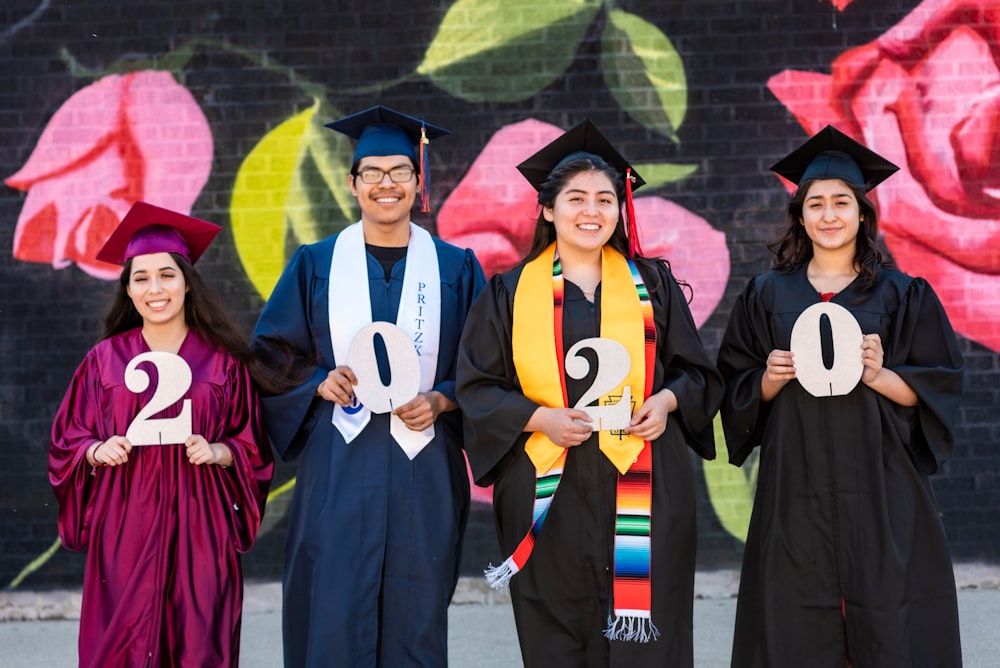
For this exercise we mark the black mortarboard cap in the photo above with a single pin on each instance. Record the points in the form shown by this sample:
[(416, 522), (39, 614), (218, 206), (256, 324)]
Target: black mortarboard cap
[(830, 154), (579, 141), (583, 138)]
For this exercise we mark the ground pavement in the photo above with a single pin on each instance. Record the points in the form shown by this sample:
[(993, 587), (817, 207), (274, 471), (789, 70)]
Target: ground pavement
[(40, 628)]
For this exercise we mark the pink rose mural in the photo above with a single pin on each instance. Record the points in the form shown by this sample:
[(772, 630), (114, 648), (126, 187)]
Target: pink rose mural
[(121, 139), (494, 209), (926, 95)]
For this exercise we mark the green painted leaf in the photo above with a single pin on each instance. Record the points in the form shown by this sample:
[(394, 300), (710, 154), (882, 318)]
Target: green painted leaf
[(730, 488), (656, 174), (644, 72), (505, 50), (260, 196)]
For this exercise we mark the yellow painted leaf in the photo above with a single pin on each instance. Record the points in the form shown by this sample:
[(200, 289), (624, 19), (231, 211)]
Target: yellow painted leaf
[(644, 72), (505, 50), (320, 200), (260, 196)]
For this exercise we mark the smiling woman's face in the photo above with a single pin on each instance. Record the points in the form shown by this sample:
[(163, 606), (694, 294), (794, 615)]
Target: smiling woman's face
[(157, 288), (831, 215), (585, 213)]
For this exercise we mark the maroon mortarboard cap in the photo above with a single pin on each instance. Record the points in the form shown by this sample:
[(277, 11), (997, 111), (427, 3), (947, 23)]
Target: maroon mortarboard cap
[(147, 229), (576, 142), (830, 154)]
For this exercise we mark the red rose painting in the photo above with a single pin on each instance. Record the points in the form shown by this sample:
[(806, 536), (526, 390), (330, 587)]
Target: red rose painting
[(121, 139), (926, 95)]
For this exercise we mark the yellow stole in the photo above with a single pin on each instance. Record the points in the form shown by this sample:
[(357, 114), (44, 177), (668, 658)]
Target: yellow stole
[(536, 348)]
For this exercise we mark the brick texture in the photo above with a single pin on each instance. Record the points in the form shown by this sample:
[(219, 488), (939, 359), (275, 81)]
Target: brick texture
[(250, 65)]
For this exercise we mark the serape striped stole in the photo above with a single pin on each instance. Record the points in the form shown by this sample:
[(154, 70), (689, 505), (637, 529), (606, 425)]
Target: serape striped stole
[(627, 317)]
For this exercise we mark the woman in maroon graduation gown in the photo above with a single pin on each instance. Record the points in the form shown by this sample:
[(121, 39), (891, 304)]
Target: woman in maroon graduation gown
[(587, 594), (846, 559), (163, 525)]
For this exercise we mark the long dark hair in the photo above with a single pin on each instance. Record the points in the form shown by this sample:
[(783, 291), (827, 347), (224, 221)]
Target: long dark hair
[(545, 231), (206, 314), (793, 248)]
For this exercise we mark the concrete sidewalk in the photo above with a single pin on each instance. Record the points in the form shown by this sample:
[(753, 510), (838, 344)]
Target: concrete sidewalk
[(481, 627)]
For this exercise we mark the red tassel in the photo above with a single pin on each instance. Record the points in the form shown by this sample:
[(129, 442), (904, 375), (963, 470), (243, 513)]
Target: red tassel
[(425, 186), (632, 226)]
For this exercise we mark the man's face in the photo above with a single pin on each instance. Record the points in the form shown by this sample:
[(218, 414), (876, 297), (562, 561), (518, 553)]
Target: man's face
[(385, 202)]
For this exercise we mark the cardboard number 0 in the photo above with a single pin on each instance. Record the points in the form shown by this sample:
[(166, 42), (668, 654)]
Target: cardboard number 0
[(404, 367), (173, 382), (806, 343)]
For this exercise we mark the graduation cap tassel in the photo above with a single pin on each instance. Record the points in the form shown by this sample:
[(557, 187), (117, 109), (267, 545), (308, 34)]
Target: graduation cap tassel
[(425, 172), (632, 226)]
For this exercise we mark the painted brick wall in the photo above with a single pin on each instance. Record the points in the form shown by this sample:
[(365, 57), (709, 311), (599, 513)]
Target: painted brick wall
[(252, 65)]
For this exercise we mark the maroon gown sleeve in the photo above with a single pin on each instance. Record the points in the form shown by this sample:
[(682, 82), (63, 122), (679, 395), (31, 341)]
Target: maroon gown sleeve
[(247, 480), (75, 428)]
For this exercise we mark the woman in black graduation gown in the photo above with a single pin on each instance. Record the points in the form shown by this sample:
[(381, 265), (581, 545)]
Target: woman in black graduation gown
[(587, 597), (846, 559)]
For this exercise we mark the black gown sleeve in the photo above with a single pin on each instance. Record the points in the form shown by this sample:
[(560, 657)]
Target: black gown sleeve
[(687, 369), (493, 407), (925, 353), (742, 360)]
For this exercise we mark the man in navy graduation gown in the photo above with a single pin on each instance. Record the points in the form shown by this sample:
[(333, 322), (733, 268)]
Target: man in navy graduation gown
[(374, 531)]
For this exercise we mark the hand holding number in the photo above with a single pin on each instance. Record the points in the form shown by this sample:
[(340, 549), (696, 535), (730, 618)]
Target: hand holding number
[(566, 427), (112, 452), (877, 377), (872, 357), (423, 410), (779, 369), (338, 386), (650, 421), (199, 451)]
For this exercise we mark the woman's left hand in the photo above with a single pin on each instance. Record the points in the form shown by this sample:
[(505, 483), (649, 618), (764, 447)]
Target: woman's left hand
[(200, 451), (650, 421), (871, 357)]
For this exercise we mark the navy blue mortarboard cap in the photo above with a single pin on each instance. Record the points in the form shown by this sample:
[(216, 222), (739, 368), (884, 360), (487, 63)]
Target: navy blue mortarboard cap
[(384, 131), (830, 154)]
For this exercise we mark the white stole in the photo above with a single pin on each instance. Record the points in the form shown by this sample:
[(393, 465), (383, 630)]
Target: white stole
[(419, 316)]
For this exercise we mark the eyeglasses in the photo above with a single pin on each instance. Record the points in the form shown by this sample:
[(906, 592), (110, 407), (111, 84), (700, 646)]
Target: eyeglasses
[(372, 175)]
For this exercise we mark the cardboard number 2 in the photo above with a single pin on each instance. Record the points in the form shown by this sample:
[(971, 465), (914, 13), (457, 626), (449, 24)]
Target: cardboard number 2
[(812, 373), (173, 382), (613, 364)]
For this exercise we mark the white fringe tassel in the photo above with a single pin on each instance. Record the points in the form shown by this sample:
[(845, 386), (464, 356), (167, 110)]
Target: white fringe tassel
[(499, 576), (631, 629)]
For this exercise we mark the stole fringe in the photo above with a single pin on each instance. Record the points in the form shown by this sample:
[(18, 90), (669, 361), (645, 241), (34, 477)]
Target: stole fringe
[(499, 576), (631, 629)]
